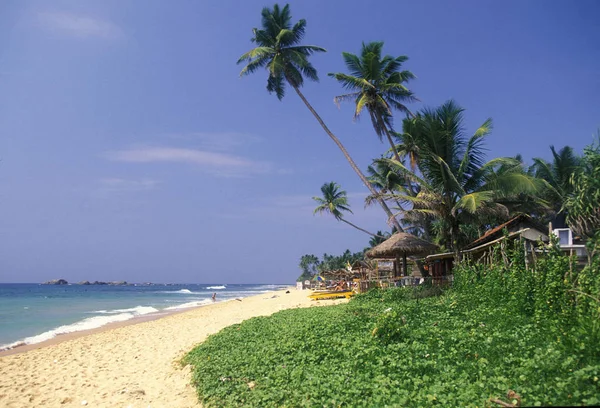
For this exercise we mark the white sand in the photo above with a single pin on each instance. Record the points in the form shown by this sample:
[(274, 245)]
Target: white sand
[(129, 366)]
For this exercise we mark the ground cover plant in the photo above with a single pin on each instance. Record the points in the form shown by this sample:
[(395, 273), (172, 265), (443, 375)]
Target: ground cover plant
[(500, 328)]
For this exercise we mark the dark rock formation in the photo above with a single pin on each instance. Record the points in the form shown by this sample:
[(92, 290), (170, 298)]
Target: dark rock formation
[(56, 282), (84, 283)]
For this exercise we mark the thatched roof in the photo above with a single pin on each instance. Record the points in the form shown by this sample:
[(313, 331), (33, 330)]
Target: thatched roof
[(401, 243), (339, 274)]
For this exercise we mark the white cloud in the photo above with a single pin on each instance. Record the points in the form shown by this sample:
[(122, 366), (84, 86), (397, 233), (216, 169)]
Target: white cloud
[(217, 141), (79, 26), (221, 164)]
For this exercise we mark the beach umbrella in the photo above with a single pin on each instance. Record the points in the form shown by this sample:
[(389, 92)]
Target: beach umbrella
[(401, 244)]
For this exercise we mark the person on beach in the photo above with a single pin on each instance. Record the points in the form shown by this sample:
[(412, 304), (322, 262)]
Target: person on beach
[(214, 296)]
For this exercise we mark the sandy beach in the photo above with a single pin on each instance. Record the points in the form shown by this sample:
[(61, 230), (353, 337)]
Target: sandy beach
[(134, 365)]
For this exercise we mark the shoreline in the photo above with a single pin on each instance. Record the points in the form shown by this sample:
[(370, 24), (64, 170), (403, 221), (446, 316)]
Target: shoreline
[(132, 363), (58, 338), (109, 326)]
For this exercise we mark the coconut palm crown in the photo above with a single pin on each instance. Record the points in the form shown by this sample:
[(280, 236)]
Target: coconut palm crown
[(279, 51), (333, 201), (377, 84)]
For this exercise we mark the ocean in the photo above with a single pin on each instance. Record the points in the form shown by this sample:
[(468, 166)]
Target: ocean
[(32, 313)]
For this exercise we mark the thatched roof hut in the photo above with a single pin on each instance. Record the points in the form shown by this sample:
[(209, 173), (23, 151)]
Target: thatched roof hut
[(401, 244)]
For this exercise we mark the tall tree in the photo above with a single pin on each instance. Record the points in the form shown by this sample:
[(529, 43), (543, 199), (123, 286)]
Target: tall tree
[(335, 201), (377, 84), (279, 51), (457, 187), (309, 265)]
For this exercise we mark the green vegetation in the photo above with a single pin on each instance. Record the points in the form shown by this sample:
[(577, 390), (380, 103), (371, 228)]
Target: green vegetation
[(583, 204), (498, 329), (532, 329), (311, 265), (377, 84)]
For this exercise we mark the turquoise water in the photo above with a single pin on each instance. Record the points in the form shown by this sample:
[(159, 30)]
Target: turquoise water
[(30, 313)]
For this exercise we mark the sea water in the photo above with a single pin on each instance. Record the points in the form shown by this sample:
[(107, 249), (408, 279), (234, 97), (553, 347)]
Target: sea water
[(32, 313)]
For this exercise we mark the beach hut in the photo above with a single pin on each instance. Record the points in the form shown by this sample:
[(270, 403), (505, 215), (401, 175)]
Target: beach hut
[(401, 244), (364, 273)]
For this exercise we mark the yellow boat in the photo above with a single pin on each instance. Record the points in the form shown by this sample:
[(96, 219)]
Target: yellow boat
[(331, 294)]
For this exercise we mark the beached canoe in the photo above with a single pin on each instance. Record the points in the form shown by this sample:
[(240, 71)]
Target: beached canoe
[(331, 294)]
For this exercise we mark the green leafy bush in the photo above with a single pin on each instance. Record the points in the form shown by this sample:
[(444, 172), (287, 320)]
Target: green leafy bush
[(492, 332)]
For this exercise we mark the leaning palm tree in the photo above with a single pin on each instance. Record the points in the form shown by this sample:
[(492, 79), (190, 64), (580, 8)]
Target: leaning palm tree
[(377, 84), (335, 201), (280, 53)]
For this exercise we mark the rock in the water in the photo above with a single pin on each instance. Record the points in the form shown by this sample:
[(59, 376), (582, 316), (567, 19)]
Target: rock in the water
[(84, 283), (118, 283), (56, 282), (99, 283)]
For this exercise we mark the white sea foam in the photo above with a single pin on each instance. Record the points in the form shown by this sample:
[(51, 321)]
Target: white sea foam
[(184, 291), (118, 315), (190, 304), (138, 310), (217, 287)]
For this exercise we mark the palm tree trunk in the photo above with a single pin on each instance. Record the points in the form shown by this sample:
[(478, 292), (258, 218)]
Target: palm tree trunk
[(454, 238), (397, 157), (389, 138), (361, 229), (347, 156)]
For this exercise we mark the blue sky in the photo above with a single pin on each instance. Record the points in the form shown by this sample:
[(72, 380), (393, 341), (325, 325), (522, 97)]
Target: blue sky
[(131, 149)]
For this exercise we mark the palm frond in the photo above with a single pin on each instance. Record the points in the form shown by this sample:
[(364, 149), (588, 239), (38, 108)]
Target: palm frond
[(472, 202), (341, 98), (350, 82), (275, 84), (401, 169)]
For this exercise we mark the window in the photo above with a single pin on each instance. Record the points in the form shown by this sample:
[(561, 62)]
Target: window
[(565, 236)]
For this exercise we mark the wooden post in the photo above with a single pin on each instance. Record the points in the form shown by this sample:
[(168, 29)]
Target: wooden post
[(404, 265)]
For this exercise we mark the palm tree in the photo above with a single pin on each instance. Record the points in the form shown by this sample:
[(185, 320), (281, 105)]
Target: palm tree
[(377, 84), (457, 186), (583, 203), (335, 201), (280, 52), (385, 180), (409, 145), (379, 238), (557, 176)]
